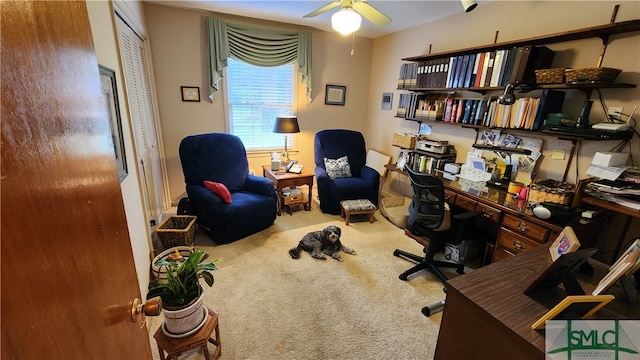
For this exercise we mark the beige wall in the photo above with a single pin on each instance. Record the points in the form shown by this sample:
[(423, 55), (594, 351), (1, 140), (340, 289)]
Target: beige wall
[(178, 43), (515, 20), (104, 39)]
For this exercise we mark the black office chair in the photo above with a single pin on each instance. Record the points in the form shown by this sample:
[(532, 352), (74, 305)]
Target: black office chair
[(431, 217)]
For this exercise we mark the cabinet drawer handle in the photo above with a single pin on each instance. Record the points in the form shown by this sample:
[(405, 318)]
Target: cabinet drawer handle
[(517, 245), (522, 226), (487, 213)]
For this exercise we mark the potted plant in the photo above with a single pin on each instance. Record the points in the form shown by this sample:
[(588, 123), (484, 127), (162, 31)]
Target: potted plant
[(181, 291)]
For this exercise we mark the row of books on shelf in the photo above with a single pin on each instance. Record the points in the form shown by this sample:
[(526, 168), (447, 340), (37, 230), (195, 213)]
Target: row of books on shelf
[(483, 69), (526, 113), (421, 162)]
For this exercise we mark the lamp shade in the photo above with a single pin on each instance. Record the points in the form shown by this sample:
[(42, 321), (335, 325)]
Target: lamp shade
[(346, 21), (286, 125)]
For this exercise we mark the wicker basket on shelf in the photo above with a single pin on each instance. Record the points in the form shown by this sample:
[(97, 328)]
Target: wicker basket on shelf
[(550, 76), (588, 75), (552, 191)]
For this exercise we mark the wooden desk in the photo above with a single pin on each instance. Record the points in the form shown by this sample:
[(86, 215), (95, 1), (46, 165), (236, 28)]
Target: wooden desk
[(516, 229), (283, 180), (487, 316), (611, 206), (509, 222)]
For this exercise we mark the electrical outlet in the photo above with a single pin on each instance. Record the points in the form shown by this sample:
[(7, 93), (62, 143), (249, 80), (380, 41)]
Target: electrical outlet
[(615, 112)]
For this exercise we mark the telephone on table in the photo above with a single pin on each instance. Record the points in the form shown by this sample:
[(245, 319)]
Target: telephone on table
[(294, 167)]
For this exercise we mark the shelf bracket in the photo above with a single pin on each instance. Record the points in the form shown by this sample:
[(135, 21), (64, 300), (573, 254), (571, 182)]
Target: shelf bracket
[(605, 38), (573, 149)]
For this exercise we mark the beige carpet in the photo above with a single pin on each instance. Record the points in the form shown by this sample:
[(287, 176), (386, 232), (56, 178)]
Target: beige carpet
[(274, 307)]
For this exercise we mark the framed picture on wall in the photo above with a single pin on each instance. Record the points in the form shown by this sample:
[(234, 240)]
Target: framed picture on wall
[(335, 94), (387, 98), (110, 95), (190, 93)]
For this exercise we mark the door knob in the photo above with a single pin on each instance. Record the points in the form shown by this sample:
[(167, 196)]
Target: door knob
[(151, 308)]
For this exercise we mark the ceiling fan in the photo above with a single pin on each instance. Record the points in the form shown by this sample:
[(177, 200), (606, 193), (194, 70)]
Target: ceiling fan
[(347, 19)]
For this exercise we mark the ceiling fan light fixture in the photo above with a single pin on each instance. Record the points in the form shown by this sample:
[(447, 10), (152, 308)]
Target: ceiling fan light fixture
[(346, 21)]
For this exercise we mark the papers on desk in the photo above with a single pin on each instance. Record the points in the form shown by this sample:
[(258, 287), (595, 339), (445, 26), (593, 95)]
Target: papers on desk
[(620, 192), (609, 173)]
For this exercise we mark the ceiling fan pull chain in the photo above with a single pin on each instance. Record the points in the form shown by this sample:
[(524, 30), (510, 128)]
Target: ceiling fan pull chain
[(353, 43)]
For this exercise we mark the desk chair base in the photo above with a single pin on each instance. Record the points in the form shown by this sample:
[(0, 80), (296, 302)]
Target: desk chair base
[(433, 308), (425, 264)]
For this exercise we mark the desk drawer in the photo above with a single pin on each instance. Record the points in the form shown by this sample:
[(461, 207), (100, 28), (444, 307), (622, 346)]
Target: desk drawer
[(466, 203), (295, 199), (522, 226), (499, 254), (489, 212), (513, 242), (449, 196), (293, 182)]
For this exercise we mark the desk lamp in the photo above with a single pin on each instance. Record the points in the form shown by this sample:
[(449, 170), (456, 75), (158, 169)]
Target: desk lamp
[(286, 125), (508, 98)]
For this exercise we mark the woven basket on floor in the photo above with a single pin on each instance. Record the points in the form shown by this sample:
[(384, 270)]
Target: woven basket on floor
[(177, 230), (550, 76), (587, 75)]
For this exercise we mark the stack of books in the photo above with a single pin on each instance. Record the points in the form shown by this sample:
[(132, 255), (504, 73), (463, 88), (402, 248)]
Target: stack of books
[(484, 69)]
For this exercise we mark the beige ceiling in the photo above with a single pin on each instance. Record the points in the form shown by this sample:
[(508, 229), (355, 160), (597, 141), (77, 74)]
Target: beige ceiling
[(404, 14)]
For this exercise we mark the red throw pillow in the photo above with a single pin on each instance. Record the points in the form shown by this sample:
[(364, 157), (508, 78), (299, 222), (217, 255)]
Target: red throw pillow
[(219, 189)]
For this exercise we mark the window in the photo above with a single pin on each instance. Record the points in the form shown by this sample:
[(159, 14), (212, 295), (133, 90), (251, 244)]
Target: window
[(256, 96)]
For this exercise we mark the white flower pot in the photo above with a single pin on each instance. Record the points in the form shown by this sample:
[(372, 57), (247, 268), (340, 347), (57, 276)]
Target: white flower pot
[(182, 322)]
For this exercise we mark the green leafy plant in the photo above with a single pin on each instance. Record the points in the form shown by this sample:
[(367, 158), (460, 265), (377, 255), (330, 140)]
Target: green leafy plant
[(182, 284)]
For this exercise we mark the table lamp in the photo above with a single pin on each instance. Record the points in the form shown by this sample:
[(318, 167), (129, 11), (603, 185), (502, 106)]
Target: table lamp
[(286, 125)]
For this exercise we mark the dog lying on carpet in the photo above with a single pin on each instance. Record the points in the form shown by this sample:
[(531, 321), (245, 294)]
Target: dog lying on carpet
[(318, 243)]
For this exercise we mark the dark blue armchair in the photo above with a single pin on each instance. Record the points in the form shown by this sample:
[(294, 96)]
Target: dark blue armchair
[(364, 181), (222, 158)]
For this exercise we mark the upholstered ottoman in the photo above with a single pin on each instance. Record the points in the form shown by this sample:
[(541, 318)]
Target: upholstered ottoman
[(355, 207)]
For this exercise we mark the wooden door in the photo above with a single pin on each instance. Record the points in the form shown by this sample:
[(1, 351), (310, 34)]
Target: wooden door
[(68, 276)]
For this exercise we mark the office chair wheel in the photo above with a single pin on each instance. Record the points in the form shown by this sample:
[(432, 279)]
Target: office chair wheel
[(403, 277)]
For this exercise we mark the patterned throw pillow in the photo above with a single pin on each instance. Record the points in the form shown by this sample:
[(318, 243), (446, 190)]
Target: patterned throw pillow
[(337, 168)]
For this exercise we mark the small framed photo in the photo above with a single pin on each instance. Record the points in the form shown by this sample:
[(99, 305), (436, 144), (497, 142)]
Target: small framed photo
[(574, 307), (190, 93), (566, 242), (335, 94), (387, 98)]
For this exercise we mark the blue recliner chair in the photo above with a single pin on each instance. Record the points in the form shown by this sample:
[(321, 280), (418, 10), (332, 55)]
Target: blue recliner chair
[(364, 181), (222, 158)]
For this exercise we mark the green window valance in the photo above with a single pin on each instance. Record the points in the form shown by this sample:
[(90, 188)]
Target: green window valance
[(258, 46)]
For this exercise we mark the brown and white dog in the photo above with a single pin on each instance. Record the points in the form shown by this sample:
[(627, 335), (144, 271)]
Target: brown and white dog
[(318, 243)]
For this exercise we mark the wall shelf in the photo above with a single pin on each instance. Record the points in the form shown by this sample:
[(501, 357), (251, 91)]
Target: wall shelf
[(602, 31), (580, 86)]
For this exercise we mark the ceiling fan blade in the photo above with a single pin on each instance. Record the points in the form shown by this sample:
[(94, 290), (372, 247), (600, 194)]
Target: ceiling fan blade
[(327, 7), (370, 13)]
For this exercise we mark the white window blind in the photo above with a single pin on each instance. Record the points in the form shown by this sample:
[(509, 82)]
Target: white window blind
[(256, 96)]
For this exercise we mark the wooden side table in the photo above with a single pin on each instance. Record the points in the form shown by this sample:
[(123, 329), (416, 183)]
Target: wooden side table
[(283, 180), (176, 346)]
